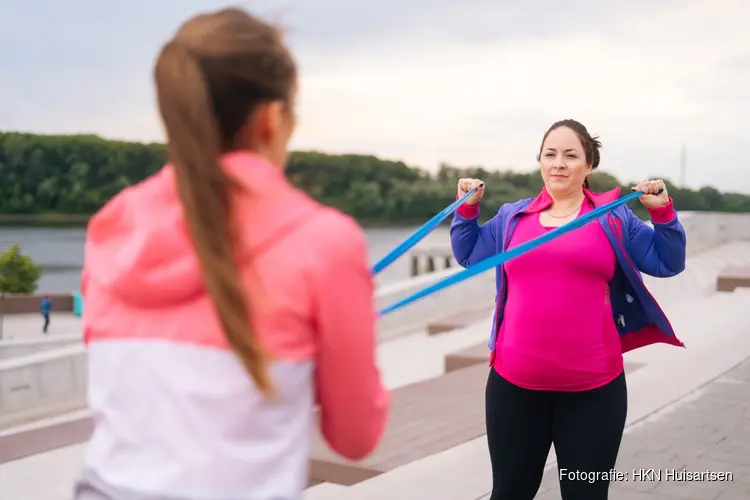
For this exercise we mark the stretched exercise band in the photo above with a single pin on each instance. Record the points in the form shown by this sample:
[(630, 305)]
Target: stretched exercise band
[(419, 234), (502, 258)]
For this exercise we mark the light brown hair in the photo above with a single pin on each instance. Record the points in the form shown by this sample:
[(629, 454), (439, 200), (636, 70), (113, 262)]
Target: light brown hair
[(210, 78)]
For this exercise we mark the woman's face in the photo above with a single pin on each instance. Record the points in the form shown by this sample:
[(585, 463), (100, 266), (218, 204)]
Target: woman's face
[(563, 162)]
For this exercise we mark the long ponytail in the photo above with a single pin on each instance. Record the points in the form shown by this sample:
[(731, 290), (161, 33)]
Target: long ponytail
[(194, 145)]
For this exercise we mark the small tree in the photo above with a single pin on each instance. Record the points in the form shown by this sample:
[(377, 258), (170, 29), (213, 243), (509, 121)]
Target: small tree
[(18, 274)]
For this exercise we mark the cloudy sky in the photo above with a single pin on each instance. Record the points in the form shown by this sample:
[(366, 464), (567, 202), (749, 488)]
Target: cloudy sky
[(472, 82)]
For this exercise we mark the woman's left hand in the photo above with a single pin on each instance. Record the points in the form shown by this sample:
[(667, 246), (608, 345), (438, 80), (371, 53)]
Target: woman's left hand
[(651, 199)]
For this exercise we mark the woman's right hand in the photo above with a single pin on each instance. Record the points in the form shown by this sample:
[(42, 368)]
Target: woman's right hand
[(466, 185)]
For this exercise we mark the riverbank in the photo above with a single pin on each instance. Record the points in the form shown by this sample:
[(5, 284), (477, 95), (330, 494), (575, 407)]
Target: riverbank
[(44, 220), (60, 250), (80, 220)]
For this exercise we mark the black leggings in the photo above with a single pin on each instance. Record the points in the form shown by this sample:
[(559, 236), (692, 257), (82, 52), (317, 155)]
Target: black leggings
[(586, 428)]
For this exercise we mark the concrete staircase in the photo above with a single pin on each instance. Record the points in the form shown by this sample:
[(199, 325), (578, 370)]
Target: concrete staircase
[(699, 277), (713, 325), (708, 322)]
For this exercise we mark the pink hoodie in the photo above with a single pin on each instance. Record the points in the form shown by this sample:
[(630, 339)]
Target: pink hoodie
[(176, 415)]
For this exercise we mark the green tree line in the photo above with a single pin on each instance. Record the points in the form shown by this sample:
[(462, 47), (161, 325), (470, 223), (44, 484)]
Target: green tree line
[(65, 175)]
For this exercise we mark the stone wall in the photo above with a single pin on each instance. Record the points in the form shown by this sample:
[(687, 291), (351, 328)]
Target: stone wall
[(13, 348), (42, 385), (29, 304)]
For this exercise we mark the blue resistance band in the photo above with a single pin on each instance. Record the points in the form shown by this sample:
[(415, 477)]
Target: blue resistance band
[(502, 258), (419, 234)]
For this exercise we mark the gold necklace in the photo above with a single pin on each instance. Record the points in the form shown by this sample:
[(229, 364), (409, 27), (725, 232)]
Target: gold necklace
[(564, 216)]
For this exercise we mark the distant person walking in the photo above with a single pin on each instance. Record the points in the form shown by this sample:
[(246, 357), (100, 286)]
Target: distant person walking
[(46, 309), (566, 312)]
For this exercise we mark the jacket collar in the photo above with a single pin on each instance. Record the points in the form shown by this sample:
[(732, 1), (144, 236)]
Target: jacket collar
[(544, 200)]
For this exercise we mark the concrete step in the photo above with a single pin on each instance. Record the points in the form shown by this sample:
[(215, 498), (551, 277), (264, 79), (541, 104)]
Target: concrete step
[(323, 491), (699, 276)]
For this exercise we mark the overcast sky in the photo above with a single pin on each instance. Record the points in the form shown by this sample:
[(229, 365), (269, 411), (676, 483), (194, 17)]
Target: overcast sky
[(427, 81)]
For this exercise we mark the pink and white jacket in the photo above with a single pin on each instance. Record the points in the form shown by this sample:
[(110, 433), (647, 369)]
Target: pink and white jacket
[(176, 415)]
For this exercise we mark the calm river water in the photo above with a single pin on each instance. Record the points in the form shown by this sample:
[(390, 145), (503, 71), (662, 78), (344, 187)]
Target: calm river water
[(60, 252)]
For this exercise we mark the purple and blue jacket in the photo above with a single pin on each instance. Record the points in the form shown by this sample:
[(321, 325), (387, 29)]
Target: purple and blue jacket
[(658, 251)]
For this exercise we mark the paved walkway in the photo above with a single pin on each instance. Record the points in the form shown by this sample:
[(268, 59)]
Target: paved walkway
[(706, 433), (25, 326)]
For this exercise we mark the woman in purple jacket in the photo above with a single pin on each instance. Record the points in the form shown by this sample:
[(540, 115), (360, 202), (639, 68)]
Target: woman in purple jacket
[(565, 313)]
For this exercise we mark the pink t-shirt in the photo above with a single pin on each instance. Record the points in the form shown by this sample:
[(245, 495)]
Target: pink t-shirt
[(558, 332)]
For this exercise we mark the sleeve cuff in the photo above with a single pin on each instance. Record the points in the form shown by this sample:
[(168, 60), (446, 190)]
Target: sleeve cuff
[(468, 211), (663, 214)]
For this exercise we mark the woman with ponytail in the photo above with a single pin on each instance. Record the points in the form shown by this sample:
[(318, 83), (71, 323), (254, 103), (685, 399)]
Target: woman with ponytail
[(213, 324)]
